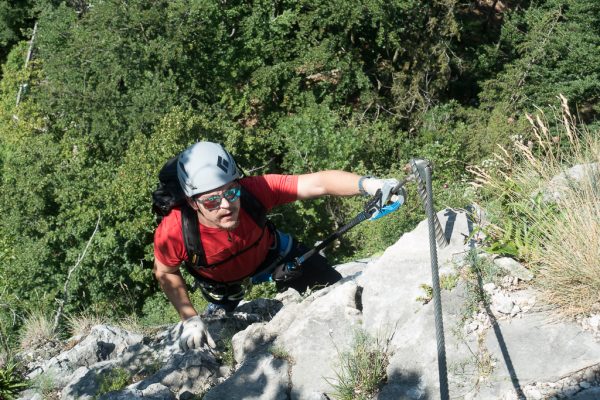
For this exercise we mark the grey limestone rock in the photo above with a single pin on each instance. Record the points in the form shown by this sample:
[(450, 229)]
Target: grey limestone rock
[(514, 268), (289, 348)]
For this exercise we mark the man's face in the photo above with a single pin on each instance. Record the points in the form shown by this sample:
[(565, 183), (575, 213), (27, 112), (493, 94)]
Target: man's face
[(219, 208)]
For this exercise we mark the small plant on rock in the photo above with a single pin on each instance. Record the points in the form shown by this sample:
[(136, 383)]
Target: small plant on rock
[(479, 366), (266, 290), (113, 380), (280, 353), (477, 272), (45, 385), (428, 290), (225, 344), (484, 361), (362, 370), (449, 281)]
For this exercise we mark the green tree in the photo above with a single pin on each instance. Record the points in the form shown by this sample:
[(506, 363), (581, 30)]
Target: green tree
[(552, 49), (15, 17)]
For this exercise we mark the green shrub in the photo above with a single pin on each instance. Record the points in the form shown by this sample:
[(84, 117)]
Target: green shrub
[(266, 290), (113, 380), (11, 380), (158, 310)]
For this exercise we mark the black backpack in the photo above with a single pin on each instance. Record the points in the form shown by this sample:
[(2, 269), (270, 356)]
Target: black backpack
[(169, 195)]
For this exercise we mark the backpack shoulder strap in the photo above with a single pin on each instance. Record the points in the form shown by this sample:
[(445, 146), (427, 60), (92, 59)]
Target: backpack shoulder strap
[(196, 256), (253, 207)]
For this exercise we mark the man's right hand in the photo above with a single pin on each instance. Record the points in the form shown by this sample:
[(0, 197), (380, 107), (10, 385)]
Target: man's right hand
[(194, 334)]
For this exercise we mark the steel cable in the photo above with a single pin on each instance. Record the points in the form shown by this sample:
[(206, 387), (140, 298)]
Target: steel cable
[(419, 168)]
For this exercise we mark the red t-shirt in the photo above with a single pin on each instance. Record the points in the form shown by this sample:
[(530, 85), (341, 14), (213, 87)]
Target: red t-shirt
[(219, 245)]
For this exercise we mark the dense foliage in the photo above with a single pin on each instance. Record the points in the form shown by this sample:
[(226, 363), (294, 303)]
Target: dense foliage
[(116, 88), (15, 17)]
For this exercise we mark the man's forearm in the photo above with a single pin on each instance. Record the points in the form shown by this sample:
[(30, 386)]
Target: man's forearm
[(340, 183), (332, 182), (175, 289)]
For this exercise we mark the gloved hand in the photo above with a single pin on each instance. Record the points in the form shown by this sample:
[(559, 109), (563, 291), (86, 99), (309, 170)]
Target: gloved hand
[(389, 188), (194, 334)]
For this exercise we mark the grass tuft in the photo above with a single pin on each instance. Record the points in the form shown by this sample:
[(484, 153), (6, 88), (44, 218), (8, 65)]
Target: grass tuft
[(569, 266), (362, 370), (82, 324), (281, 353), (37, 330)]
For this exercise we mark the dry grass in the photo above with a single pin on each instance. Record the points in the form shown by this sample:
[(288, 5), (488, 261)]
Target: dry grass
[(133, 323), (569, 266), (82, 324), (37, 331), (565, 228)]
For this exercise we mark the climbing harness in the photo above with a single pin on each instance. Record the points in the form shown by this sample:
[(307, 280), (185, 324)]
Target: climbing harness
[(282, 247), (422, 171)]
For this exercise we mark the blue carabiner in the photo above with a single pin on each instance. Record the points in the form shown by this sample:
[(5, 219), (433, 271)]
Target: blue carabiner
[(383, 211)]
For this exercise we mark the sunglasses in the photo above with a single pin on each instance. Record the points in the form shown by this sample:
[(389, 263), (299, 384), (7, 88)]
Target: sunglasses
[(213, 202)]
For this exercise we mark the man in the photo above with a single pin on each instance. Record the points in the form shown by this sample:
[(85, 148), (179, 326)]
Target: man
[(236, 246)]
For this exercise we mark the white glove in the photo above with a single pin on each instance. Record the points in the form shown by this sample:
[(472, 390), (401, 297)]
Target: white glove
[(194, 334), (389, 188)]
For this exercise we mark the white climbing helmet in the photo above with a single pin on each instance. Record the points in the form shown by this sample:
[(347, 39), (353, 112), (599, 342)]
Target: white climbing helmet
[(205, 166)]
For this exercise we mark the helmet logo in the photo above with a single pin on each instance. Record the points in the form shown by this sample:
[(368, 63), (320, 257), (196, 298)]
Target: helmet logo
[(223, 164)]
